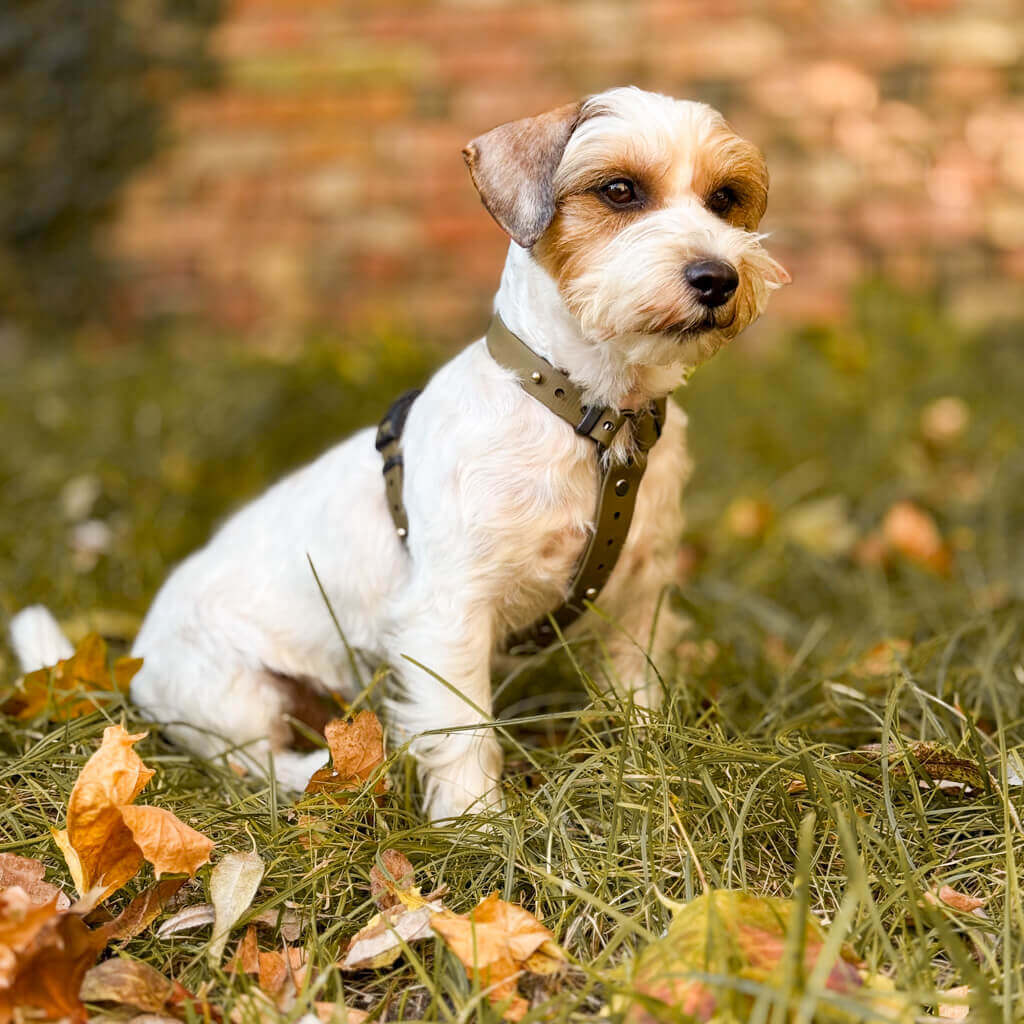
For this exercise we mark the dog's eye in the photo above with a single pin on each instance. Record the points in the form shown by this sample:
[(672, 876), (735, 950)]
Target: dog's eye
[(722, 201), (620, 192)]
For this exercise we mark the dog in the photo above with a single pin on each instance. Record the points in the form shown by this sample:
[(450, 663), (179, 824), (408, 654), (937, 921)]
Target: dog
[(634, 256)]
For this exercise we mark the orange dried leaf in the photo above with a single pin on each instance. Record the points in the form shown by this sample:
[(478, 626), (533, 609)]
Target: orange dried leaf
[(47, 953), (247, 955), (335, 1013), (166, 842), (145, 908), (112, 777), (73, 687), (493, 942), (357, 751), (960, 1007), (106, 837), (957, 900)]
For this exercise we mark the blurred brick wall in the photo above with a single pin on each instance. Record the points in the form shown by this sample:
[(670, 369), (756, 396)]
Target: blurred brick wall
[(323, 182)]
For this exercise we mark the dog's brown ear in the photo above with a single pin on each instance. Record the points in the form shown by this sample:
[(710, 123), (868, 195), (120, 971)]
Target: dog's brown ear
[(513, 168)]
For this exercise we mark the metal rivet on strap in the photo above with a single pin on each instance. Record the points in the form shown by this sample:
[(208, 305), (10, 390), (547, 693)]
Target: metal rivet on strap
[(621, 487), (536, 377), (608, 424), (402, 532), (590, 593)]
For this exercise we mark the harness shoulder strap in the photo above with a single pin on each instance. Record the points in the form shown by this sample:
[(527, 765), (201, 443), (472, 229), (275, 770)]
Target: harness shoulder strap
[(389, 444), (618, 483)]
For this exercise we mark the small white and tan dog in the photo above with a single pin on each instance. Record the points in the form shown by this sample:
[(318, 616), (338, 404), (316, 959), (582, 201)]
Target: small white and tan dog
[(634, 256)]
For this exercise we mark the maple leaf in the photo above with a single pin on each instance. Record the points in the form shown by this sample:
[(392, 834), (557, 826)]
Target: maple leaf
[(357, 751), (107, 838), (44, 954), (74, 687), (495, 942)]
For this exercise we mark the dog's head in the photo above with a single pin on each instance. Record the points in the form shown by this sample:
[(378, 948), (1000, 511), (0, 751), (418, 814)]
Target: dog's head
[(644, 209)]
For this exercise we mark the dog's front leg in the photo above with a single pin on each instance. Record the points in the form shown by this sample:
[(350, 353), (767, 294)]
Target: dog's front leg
[(440, 653)]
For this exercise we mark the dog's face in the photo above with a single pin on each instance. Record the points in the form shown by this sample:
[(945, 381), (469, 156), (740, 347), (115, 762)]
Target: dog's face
[(644, 210)]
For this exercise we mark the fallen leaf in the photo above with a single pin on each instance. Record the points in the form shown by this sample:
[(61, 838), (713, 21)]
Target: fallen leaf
[(380, 942), (957, 900), (936, 763), (100, 843), (186, 920), (44, 954), (281, 974), (27, 873), (130, 982), (233, 884), (284, 919), (357, 751), (960, 1007), (912, 533), (145, 908), (73, 687), (738, 935), (396, 874), (247, 954), (166, 842), (494, 941)]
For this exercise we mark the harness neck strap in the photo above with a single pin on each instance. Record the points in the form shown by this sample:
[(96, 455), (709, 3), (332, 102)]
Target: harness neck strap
[(618, 480)]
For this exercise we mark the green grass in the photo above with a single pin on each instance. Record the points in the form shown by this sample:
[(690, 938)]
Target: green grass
[(608, 822)]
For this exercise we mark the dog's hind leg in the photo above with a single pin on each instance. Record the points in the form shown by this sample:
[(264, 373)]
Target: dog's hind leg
[(225, 708)]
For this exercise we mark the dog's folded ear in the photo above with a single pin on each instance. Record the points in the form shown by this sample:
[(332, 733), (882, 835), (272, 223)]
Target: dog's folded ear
[(513, 168)]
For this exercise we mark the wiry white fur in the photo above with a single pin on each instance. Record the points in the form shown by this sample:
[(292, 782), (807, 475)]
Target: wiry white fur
[(501, 496)]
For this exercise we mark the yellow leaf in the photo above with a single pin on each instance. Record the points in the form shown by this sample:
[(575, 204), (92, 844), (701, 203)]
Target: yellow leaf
[(60, 837), (166, 842)]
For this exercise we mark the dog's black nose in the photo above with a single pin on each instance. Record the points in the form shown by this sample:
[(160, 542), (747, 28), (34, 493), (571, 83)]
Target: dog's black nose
[(713, 280)]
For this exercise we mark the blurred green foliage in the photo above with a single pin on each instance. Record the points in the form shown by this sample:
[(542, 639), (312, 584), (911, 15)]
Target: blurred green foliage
[(83, 88)]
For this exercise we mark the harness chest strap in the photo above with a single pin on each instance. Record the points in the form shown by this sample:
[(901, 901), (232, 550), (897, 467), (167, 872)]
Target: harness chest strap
[(618, 483)]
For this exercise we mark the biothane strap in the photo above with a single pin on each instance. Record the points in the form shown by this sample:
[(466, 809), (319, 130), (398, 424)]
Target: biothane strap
[(618, 483)]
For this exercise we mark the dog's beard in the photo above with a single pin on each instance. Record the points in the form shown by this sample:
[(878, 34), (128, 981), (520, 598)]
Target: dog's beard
[(634, 291)]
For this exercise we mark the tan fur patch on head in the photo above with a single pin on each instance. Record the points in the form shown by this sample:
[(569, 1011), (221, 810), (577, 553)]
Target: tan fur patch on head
[(729, 162)]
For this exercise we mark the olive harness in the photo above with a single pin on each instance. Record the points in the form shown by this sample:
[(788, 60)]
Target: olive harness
[(618, 484)]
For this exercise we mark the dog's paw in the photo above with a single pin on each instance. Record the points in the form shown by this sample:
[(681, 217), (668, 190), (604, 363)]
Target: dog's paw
[(467, 781)]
